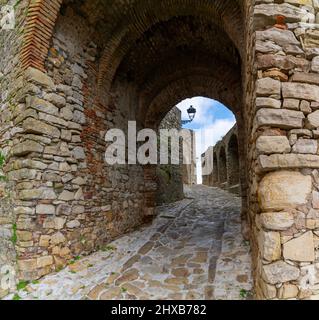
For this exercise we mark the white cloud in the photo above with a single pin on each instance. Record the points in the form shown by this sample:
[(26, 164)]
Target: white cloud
[(211, 129), (203, 106), (209, 135)]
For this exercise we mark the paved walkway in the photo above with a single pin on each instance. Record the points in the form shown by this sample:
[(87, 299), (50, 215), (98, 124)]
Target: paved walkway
[(193, 250)]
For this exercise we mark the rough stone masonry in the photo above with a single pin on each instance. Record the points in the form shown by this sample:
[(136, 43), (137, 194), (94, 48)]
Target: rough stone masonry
[(223, 160), (71, 70)]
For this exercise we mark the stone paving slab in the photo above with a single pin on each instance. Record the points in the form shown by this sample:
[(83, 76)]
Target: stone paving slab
[(192, 250)]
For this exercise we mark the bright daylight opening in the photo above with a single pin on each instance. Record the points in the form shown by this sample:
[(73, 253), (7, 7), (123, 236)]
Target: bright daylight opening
[(212, 121)]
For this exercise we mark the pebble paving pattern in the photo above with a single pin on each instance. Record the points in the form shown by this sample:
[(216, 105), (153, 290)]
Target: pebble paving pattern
[(192, 250)]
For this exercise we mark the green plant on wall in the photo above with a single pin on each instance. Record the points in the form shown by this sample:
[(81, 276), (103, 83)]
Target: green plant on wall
[(2, 160), (14, 237)]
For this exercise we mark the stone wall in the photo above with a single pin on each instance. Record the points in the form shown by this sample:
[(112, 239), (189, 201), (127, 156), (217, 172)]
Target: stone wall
[(189, 167), (224, 162), (11, 95), (170, 177), (207, 166), (284, 159), (68, 202), (8, 238)]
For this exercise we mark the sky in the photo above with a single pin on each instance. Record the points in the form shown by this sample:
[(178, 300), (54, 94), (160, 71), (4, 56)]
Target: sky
[(212, 121)]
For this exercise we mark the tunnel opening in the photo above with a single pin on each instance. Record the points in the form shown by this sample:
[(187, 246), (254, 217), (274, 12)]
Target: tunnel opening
[(174, 59)]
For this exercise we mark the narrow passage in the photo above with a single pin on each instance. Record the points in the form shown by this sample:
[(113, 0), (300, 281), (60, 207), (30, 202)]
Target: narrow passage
[(192, 250)]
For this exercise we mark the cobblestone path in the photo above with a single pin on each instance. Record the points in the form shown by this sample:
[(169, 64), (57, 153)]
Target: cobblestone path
[(193, 250)]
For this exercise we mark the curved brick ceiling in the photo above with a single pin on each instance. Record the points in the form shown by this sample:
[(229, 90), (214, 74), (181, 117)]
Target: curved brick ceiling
[(183, 47), (123, 23), (157, 44), (185, 87), (182, 78), (177, 38)]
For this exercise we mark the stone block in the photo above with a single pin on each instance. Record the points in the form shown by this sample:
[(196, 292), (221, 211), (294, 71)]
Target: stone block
[(268, 87), (55, 99), (305, 146), (45, 209), (273, 144), (53, 119), (288, 291), (268, 103), (24, 235), (300, 91), (67, 113), (33, 194), (73, 224), (41, 105), (269, 291), (310, 78), (44, 241), (66, 195), (22, 174), (288, 161), (279, 272), (292, 104), (305, 107), (57, 238), (78, 153), (280, 118), (31, 125), (281, 220), (300, 249), (283, 38), (44, 261), (27, 265), (54, 223), (282, 62), (270, 245), (284, 189), (39, 78), (313, 119), (26, 147), (315, 200), (315, 64)]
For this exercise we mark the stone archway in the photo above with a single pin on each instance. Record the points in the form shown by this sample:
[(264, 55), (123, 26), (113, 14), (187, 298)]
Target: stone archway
[(89, 66)]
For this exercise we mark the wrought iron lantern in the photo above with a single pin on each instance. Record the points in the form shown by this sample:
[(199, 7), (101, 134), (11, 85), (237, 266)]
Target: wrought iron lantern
[(191, 113)]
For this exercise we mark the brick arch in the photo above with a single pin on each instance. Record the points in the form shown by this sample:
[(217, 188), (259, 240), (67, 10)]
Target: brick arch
[(42, 16), (186, 87), (172, 84), (40, 22), (147, 13)]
